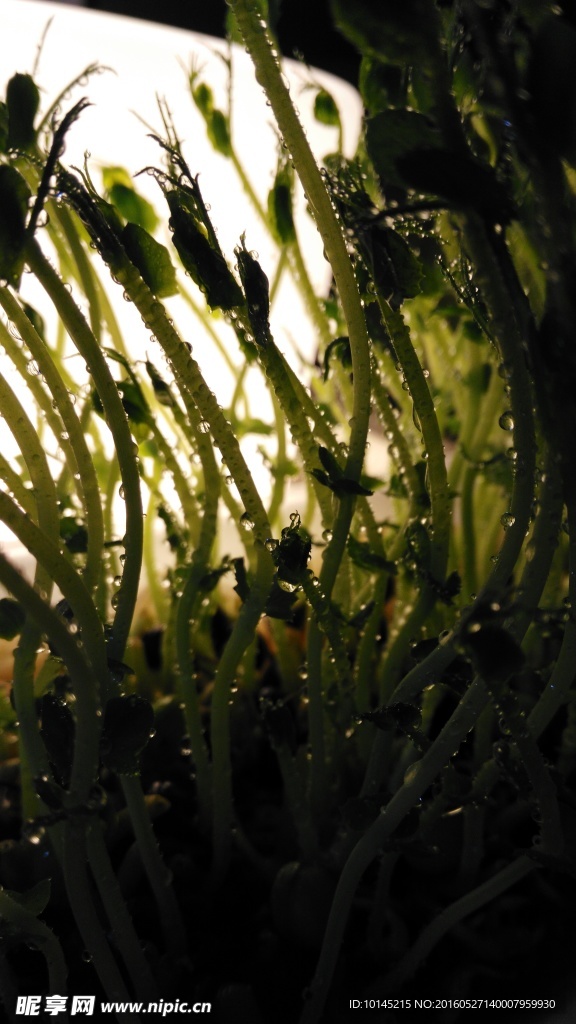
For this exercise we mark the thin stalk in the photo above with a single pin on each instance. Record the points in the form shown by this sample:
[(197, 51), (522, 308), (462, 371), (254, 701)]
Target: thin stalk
[(125, 936), (242, 634), (15, 486), (87, 920), (32, 753), (158, 595), (159, 877), (72, 425), (28, 927), (268, 73), (416, 782), (117, 421), (499, 883)]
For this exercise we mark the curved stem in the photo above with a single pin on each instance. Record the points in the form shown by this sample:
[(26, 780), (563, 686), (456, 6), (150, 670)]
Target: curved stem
[(117, 421)]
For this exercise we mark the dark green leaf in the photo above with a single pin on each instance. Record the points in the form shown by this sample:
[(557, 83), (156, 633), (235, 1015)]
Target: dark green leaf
[(14, 196), (392, 135), (325, 109), (396, 270), (128, 722), (330, 463), (3, 127), (280, 603), (135, 405), (203, 98), (22, 102), (381, 85), (219, 132), (35, 319), (552, 86), (339, 347), (252, 425), (132, 206), (74, 534), (363, 556), (173, 532), (242, 587), (257, 291), (152, 260), (58, 731), (12, 618), (494, 651), (458, 178), (159, 385), (346, 486), (35, 900), (399, 31), (205, 264), (280, 208)]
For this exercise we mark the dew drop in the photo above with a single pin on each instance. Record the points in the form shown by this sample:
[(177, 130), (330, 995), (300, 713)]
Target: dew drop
[(246, 521), (506, 421)]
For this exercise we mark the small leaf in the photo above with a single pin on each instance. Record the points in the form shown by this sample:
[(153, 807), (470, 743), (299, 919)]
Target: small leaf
[(394, 134), (133, 207), (35, 319), (339, 347), (35, 900), (159, 385), (325, 109), (22, 102), (128, 722), (280, 209), (397, 272), (458, 178), (363, 556), (330, 463), (219, 132), (257, 292), (58, 731), (347, 486), (3, 127), (402, 32), (205, 264), (242, 587), (280, 603), (12, 618), (14, 196), (74, 534), (381, 85), (135, 405), (252, 425), (494, 651), (203, 98), (152, 260)]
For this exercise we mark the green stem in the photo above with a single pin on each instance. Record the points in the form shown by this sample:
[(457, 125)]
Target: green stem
[(76, 443), (417, 780), (158, 875), (242, 635), (87, 920), (33, 931), (88, 347), (125, 937), (452, 915), (84, 681)]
